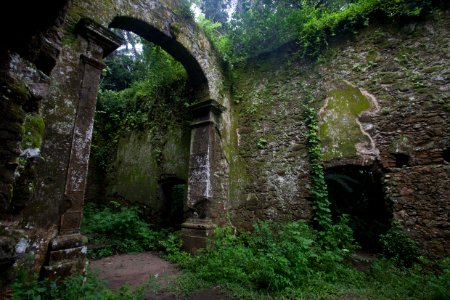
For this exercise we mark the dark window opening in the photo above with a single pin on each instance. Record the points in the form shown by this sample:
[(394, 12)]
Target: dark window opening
[(446, 155), (401, 160), (173, 198), (357, 191)]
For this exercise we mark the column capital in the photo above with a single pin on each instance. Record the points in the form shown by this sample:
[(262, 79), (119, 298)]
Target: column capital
[(100, 35), (207, 106), (204, 112), (93, 62)]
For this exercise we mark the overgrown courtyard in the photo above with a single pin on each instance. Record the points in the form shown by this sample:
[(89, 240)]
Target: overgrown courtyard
[(258, 149)]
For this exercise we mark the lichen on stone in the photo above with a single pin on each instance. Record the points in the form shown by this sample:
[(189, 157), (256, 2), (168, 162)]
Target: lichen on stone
[(33, 131), (339, 130)]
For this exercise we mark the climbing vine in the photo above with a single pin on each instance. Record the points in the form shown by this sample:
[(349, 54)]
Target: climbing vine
[(319, 192)]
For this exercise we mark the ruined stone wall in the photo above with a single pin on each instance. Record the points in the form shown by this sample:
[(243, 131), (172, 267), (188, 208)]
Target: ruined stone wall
[(382, 98), (170, 25), (142, 162), (399, 75), (51, 72), (27, 55)]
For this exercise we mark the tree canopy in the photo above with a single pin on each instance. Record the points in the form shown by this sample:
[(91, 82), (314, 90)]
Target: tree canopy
[(259, 26)]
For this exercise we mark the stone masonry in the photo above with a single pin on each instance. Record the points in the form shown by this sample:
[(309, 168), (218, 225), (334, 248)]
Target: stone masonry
[(248, 155)]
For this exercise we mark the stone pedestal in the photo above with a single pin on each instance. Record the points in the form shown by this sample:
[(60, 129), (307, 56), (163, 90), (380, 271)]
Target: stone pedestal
[(195, 233), (67, 256)]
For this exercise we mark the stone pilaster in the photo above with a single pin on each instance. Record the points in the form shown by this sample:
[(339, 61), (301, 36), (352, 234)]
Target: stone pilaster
[(201, 188), (67, 255)]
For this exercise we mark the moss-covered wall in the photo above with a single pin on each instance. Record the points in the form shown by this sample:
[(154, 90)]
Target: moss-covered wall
[(340, 130), (144, 159), (27, 55), (393, 79), (380, 92)]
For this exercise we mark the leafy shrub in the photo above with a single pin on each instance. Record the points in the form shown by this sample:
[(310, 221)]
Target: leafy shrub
[(293, 261), (274, 257), (215, 33), (171, 246), (27, 288), (144, 91), (423, 280), (317, 25), (119, 230), (75, 287), (440, 284), (399, 247)]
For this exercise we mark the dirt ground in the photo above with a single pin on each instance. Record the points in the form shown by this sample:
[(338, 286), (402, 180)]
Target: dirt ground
[(135, 270)]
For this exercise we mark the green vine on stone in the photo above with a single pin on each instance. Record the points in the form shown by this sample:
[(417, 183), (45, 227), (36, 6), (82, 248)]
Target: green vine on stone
[(319, 192)]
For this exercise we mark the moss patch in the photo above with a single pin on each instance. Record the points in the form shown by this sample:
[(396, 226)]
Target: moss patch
[(339, 131), (33, 131)]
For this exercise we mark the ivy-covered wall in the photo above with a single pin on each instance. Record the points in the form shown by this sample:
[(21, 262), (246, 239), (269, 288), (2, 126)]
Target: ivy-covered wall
[(382, 97)]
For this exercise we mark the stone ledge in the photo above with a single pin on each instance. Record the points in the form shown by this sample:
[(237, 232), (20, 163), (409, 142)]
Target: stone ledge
[(72, 254), (65, 269), (68, 241)]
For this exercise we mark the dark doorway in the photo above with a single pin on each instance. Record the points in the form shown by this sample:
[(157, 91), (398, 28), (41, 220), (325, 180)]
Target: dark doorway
[(173, 199), (357, 191), (446, 155)]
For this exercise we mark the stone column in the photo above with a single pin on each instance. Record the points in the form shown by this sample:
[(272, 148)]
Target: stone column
[(205, 144), (67, 255)]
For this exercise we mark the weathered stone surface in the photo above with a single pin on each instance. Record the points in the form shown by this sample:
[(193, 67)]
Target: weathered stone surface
[(420, 197), (195, 233), (405, 74), (68, 241), (168, 24), (246, 163)]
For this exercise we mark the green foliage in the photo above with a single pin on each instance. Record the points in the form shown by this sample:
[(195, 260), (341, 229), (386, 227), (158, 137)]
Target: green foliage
[(275, 258), (119, 230), (399, 247), (186, 283), (27, 288), (75, 287), (261, 143), (157, 93), (218, 37), (172, 249), (315, 26), (215, 10), (184, 9), (424, 280), (264, 25), (293, 261), (440, 283), (121, 71)]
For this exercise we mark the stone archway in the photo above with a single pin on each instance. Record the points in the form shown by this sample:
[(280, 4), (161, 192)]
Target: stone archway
[(171, 46), (68, 135)]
